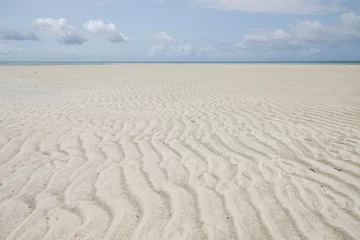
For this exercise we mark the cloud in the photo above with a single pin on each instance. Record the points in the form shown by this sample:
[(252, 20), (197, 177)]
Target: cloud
[(220, 45), (310, 51), (173, 50), (163, 36), (179, 50), (106, 30), (302, 32), (348, 30), (7, 50), (280, 35), (155, 50), (9, 33), (105, 2), (65, 33), (273, 6), (263, 40), (203, 51)]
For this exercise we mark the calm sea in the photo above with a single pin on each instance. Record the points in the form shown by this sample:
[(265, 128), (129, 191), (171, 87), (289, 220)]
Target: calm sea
[(35, 63)]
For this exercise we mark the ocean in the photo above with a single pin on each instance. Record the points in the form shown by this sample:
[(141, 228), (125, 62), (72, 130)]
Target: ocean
[(39, 63)]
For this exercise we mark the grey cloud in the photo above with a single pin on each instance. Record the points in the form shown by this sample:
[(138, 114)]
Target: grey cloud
[(8, 33)]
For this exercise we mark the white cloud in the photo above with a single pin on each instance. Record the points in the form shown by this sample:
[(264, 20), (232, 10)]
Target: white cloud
[(108, 31), (351, 21), (280, 35), (348, 30), (203, 51), (273, 6), (9, 33), (254, 38), (265, 40), (4, 49), (174, 50), (240, 45), (180, 50), (163, 36), (310, 51), (65, 33), (105, 2), (312, 31), (101, 2), (155, 50), (302, 32)]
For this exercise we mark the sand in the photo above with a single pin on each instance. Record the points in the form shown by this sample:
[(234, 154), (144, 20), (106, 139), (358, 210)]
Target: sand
[(177, 151)]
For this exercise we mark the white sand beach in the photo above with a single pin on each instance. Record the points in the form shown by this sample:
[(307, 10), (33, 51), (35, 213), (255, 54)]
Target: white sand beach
[(180, 151)]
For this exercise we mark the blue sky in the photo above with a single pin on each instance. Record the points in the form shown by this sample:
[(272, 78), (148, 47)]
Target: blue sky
[(179, 30)]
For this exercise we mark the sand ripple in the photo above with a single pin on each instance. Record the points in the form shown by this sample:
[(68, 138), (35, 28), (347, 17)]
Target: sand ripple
[(180, 152)]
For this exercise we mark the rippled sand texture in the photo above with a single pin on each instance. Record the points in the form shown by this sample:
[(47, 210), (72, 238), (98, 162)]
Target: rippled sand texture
[(180, 152)]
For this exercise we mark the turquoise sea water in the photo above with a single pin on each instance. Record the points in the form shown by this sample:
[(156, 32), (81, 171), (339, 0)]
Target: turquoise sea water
[(38, 63)]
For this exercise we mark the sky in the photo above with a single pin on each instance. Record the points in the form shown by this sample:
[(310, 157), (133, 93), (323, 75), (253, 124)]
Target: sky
[(179, 30)]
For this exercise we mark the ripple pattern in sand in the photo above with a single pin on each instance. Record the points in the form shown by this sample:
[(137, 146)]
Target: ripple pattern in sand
[(179, 152)]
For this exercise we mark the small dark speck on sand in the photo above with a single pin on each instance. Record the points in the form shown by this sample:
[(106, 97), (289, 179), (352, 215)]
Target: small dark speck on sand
[(137, 216), (312, 169), (338, 169)]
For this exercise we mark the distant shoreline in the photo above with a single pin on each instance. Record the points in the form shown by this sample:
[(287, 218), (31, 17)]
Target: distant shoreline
[(54, 63)]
